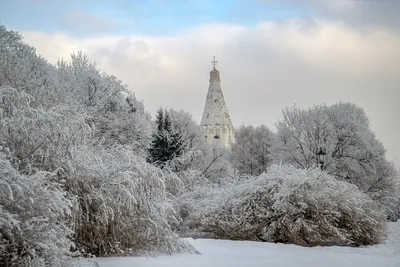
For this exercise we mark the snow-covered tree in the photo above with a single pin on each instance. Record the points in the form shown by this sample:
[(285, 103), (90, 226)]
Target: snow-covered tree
[(290, 205), (192, 133), (22, 69), (194, 147), (118, 118), (354, 154), (251, 150), (184, 171), (108, 104), (33, 218), (38, 139)]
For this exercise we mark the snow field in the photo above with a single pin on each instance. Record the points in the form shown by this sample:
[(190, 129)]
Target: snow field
[(226, 253)]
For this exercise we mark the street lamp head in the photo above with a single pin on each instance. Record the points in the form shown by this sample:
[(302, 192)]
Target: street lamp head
[(321, 155)]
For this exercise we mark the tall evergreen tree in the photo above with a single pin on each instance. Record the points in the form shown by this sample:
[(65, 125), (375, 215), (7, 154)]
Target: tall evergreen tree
[(166, 143)]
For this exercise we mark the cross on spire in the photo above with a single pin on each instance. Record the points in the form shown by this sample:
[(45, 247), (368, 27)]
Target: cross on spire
[(214, 62)]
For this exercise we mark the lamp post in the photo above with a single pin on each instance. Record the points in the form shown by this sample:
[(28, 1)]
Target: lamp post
[(321, 158)]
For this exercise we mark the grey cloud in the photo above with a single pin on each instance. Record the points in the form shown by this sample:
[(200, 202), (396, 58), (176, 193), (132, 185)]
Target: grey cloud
[(357, 13), (371, 13)]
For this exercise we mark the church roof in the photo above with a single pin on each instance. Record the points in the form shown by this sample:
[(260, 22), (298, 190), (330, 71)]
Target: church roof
[(215, 111)]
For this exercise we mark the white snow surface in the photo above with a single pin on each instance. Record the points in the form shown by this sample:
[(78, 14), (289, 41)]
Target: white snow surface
[(226, 253)]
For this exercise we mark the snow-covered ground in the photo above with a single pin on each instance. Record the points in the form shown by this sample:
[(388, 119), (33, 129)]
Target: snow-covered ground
[(224, 253)]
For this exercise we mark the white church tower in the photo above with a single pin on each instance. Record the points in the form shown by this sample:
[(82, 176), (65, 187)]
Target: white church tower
[(216, 120)]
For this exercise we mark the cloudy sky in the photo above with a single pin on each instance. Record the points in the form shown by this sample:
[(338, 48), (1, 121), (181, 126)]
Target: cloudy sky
[(271, 53)]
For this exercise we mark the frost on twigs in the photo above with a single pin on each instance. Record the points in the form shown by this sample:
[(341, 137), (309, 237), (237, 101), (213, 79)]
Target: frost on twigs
[(33, 213), (122, 207), (38, 139), (289, 205)]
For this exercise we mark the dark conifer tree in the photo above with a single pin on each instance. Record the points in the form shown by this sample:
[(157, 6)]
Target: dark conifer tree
[(166, 143)]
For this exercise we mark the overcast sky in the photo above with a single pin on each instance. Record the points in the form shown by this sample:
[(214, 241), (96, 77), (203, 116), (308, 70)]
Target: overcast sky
[(271, 54)]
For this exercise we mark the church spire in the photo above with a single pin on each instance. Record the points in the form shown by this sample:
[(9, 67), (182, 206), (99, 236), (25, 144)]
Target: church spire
[(216, 119)]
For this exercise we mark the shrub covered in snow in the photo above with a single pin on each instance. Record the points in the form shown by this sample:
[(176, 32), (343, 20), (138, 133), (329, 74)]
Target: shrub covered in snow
[(33, 212), (289, 205), (122, 207), (193, 204)]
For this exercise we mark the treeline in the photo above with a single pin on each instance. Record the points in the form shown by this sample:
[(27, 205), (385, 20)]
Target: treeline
[(86, 171)]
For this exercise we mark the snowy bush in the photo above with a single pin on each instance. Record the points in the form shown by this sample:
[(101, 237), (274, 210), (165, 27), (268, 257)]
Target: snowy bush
[(33, 216), (122, 207), (178, 183), (193, 204), (394, 209), (289, 205)]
